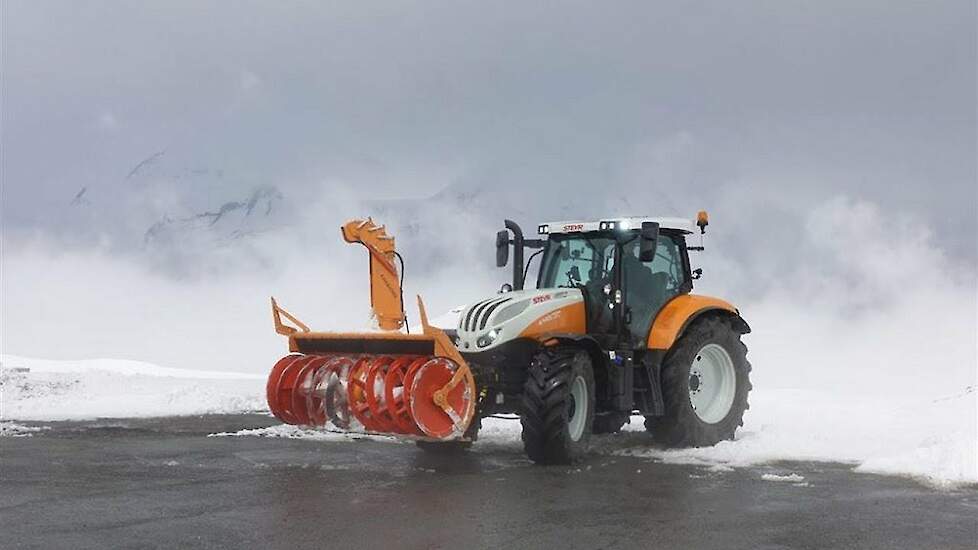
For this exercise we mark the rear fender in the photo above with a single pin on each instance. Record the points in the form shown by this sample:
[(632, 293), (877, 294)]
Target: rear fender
[(682, 310)]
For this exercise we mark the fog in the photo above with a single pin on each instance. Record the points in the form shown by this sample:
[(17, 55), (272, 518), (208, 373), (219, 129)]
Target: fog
[(165, 171), (861, 311)]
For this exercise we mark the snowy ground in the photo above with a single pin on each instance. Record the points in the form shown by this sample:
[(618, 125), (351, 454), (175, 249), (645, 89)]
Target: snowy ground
[(34, 389), (920, 439), (931, 439)]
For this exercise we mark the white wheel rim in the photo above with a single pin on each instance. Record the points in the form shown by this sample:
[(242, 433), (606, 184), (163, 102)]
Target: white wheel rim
[(578, 408), (712, 383)]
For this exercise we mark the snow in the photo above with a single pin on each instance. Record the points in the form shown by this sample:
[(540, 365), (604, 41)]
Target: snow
[(119, 366), (286, 431), (13, 429), (445, 321), (933, 440), (915, 438), (792, 478), (46, 390)]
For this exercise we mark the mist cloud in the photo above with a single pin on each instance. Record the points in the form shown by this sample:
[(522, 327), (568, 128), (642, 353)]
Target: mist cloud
[(164, 173)]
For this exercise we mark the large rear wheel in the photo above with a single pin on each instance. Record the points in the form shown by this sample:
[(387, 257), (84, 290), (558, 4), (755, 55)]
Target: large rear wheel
[(705, 383), (558, 405)]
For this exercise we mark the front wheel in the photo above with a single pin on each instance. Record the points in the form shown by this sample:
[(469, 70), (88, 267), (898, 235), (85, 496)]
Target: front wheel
[(705, 383), (558, 406)]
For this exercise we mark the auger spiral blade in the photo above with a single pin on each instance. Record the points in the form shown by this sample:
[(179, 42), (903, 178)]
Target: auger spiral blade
[(413, 395)]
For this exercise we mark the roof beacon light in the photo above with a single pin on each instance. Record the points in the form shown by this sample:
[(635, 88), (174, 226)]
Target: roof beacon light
[(702, 220)]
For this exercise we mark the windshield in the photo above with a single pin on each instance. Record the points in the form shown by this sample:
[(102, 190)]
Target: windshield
[(576, 259)]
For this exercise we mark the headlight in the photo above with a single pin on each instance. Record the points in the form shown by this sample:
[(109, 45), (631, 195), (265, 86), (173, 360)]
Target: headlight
[(488, 339), (510, 311)]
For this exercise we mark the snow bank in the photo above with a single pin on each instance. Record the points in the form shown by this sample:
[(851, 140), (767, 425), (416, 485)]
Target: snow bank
[(13, 429), (119, 366), (40, 390), (932, 440)]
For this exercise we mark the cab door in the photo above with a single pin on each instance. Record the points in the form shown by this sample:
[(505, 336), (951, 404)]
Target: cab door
[(649, 285)]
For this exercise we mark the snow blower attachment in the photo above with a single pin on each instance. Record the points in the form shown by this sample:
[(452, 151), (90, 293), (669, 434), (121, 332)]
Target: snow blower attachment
[(389, 382)]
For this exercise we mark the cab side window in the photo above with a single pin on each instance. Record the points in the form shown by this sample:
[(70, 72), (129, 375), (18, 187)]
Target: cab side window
[(652, 285), (669, 262)]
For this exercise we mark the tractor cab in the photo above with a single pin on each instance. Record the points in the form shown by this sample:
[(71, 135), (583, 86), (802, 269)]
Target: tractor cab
[(627, 269)]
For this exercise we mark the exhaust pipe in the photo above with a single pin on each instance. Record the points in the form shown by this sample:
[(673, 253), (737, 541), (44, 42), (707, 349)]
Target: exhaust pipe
[(517, 253)]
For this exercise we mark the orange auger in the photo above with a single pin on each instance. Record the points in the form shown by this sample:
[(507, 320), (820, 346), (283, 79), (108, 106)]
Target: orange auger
[(415, 385)]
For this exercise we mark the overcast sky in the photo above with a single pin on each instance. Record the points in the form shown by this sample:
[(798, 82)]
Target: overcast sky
[(783, 101), (167, 165)]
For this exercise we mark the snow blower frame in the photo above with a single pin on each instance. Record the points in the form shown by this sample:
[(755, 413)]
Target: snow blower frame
[(414, 385)]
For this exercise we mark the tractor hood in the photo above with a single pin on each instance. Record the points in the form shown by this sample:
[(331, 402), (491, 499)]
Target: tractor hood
[(520, 314)]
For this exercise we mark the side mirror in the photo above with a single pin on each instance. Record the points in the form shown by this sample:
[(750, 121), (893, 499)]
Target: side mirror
[(649, 236), (502, 248)]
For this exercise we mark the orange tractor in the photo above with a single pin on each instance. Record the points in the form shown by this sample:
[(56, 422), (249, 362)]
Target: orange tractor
[(612, 329)]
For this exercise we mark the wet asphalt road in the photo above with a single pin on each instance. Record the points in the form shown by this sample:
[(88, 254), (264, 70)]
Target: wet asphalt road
[(162, 483)]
